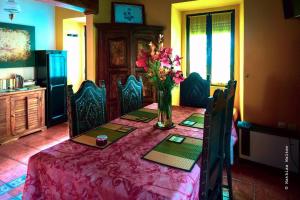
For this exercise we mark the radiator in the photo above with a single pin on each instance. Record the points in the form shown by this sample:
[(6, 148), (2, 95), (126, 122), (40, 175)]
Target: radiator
[(268, 149)]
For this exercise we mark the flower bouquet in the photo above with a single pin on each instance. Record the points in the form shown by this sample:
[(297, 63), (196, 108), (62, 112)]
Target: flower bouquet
[(164, 72)]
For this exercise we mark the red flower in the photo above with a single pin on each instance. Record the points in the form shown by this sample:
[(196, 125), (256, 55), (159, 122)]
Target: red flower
[(142, 60), (156, 56)]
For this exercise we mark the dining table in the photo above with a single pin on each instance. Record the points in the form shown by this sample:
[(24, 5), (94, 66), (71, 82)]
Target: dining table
[(70, 170)]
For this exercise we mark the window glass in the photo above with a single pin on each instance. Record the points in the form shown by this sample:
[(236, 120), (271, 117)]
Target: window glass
[(221, 46), (198, 44), (210, 46)]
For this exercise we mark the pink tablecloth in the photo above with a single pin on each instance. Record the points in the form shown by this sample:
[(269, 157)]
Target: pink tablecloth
[(73, 171)]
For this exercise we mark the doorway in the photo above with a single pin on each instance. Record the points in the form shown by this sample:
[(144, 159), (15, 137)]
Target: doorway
[(74, 42)]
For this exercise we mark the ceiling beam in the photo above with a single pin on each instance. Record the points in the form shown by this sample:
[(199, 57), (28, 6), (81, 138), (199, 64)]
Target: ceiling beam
[(85, 6)]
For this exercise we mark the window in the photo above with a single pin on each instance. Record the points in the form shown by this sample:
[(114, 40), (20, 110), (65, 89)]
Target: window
[(210, 45)]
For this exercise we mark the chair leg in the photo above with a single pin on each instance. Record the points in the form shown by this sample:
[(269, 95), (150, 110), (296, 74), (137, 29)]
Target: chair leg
[(229, 178)]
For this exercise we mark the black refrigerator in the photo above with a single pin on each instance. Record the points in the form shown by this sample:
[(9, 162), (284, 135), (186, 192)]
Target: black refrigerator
[(51, 72)]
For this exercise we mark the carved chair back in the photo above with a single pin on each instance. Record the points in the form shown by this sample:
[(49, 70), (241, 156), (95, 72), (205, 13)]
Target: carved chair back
[(86, 108), (229, 94), (131, 94), (213, 152), (194, 91)]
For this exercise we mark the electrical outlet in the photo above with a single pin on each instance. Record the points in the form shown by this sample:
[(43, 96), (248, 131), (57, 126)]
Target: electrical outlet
[(281, 125)]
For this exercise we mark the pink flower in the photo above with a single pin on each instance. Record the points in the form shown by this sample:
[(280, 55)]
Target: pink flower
[(177, 60), (178, 78), (165, 58), (165, 61)]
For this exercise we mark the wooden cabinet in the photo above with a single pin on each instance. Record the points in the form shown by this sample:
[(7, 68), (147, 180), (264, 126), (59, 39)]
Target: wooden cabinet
[(118, 49), (51, 72), (21, 113)]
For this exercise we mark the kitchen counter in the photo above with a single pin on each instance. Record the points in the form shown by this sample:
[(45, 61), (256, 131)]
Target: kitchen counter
[(20, 90)]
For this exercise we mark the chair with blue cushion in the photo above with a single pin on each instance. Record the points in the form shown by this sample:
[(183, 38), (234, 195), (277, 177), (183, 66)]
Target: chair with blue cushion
[(213, 151), (131, 94), (86, 108), (229, 94), (194, 91)]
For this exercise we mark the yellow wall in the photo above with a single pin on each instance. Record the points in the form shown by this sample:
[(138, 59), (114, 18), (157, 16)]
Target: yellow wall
[(60, 15), (272, 66), (158, 12), (269, 54), (91, 48)]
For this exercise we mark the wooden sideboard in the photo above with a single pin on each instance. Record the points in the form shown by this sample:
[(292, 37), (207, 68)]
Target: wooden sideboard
[(21, 113)]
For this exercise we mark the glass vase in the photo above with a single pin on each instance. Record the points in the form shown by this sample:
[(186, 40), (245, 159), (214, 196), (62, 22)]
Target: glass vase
[(164, 109)]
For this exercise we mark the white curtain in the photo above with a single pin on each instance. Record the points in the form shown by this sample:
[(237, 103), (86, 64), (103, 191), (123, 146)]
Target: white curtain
[(198, 44), (221, 45)]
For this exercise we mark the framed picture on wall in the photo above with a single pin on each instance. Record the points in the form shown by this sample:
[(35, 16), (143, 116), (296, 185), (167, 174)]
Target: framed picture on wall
[(126, 13), (17, 45)]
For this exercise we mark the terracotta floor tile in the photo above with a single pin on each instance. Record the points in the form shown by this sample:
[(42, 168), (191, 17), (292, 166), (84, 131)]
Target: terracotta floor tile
[(58, 132), (243, 190), (7, 164), (265, 193), (38, 141), (14, 173), (18, 151), (268, 181)]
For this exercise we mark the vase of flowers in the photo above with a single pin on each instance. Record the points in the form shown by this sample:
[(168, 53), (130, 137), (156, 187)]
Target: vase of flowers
[(164, 72), (164, 99)]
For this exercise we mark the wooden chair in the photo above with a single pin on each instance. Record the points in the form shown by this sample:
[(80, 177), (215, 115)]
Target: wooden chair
[(86, 108), (213, 151), (131, 94), (194, 91), (229, 94)]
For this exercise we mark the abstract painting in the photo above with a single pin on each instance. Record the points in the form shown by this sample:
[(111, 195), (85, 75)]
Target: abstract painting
[(17, 45), (117, 52)]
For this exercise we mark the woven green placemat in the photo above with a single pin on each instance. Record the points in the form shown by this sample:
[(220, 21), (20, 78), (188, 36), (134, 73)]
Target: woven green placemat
[(141, 115), (196, 120), (178, 155), (113, 132)]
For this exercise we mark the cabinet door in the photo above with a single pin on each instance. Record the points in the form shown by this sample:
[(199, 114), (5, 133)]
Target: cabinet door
[(4, 117), (141, 41), (19, 123), (57, 104), (26, 113), (34, 111), (114, 65)]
